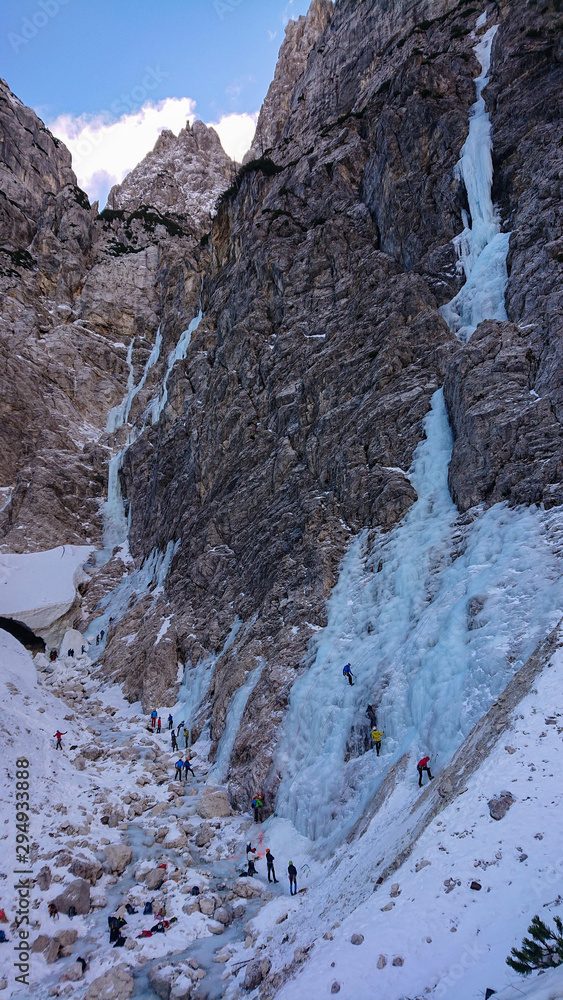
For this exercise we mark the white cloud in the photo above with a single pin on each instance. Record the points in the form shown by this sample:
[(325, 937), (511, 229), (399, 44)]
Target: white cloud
[(104, 151), (236, 133)]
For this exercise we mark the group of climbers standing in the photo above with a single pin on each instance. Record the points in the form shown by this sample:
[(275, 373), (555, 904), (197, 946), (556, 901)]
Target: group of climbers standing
[(251, 868)]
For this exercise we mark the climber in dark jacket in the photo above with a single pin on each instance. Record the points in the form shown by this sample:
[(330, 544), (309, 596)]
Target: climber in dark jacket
[(270, 864), (292, 872), (348, 673)]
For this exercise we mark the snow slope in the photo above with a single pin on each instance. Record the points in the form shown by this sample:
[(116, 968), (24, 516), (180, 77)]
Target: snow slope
[(37, 588), (453, 939)]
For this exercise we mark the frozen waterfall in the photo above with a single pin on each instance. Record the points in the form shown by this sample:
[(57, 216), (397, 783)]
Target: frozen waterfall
[(434, 619), (481, 247)]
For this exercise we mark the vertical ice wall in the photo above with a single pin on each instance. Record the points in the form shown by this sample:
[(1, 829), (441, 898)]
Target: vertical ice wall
[(481, 247), (434, 620)]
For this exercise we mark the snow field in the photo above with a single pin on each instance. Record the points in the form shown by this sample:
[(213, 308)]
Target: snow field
[(37, 588)]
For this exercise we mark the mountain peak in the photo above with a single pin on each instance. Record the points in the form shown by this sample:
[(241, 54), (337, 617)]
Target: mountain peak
[(182, 175)]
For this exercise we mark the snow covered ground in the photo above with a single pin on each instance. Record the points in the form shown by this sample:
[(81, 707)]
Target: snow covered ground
[(37, 588), (451, 940)]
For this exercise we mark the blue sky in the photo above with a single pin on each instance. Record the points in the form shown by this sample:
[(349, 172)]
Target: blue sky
[(99, 61)]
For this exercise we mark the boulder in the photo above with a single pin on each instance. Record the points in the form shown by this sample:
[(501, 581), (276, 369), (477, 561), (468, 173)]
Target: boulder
[(72, 973), (66, 937), (222, 915), (357, 939), (160, 979), (41, 942), (115, 984), (215, 927), (43, 878), (89, 870), (76, 894), (499, 806), (381, 962), (246, 888), (207, 905), (253, 975), (335, 988), (398, 960), (117, 856), (421, 864), (154, 879), (204, 835), (213, 802), (52, 952)]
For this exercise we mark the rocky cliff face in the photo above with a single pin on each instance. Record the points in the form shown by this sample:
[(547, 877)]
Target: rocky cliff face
[(289, 422), (78, 289), (302, 396)]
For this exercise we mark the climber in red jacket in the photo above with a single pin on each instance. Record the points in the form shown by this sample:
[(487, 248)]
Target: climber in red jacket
[(423, 766)]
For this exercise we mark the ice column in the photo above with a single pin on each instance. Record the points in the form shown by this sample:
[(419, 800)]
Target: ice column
[(481, 247), (157, 404), (238, 704)]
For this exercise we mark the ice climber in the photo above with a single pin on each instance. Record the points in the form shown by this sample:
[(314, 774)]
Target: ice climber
[(154, 716), (186, 738), (180, 727), (348, 673), (377, 736), (188, 767), (170, 722), (178, 769), (292, 872), (174, 740), (258, 806), (270, 864), (159, 725), (423, 766), (370, 712), (58, 737)]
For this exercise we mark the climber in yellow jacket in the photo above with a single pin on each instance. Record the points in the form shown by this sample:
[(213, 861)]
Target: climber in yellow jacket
[(377, 736)]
